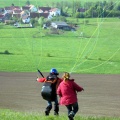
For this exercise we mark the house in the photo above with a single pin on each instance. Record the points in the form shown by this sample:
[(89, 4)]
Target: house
[(24, 13), (34, 15), (55, 12), (38, 15), (23, 8), (46, 15), (16, 8), (11, 8), (44, 9), (26, 19), (2, 17), (58, 24), (8, 9), (62, 25), (51, 11), (17, 13), (33, 8), (1, 10)]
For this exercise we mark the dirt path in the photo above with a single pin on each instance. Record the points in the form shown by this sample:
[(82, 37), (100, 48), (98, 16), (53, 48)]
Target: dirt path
[(21, 92)]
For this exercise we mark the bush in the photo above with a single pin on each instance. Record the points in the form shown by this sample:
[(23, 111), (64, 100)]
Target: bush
[(6, 52)]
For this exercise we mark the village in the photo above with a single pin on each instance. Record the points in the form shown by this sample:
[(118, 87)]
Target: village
[(22, 16), (30, 15)]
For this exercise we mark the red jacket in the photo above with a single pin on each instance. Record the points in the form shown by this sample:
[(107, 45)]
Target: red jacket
[(67, 92)]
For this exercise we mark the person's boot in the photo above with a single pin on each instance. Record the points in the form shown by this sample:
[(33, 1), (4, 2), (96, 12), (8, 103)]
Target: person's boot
[(70, 118), (47, 113), (56, 109), (56, 113), (71, 115)]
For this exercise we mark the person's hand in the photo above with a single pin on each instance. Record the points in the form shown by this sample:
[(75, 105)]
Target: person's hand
[(37, 79)]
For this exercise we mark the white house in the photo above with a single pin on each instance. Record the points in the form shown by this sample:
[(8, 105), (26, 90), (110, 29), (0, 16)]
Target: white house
[(26, 19), (33, 8), (23, 13), (55, 12)]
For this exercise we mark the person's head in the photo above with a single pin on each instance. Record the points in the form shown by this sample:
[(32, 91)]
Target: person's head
[(66, 76), (54, 71)]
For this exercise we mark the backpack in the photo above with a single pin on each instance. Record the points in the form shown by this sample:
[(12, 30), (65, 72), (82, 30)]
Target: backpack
[(48, 91)]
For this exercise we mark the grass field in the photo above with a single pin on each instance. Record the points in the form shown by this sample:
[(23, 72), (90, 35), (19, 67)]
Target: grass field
[(93, 48), (40, 2), (11, 115)]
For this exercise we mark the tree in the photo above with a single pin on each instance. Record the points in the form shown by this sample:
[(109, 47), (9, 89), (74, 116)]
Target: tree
[(66, 9), (77, 15), (104, 3), (12, 4), (77, 5), (28, 2), (100, 11), (48, 23), (89, 13), (15, 19), (118, 7), (53, 4), (32, 21), (111, 5), (41, 21), (58, 5), (59, 18), (73, 8)]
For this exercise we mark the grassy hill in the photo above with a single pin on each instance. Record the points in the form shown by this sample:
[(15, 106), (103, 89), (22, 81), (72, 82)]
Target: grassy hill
[(93, 48)]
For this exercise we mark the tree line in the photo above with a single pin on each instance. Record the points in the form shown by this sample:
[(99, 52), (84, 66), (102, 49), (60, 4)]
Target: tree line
[(92, 9)]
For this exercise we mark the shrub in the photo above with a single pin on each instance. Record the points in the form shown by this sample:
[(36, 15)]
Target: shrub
[(6, 52)]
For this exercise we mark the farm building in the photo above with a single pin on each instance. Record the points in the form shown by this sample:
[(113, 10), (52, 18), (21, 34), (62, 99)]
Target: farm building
[(62, 25)]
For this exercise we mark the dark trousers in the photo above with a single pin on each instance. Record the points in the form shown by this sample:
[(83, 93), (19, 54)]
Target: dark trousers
[(73, 107), (56, 105)]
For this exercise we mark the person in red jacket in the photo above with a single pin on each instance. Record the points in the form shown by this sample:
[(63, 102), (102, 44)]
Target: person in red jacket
[(53, 73), (68, 97)]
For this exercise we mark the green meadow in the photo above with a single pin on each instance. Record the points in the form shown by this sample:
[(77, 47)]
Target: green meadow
[(93, 48), (12, 115), (40, 2)]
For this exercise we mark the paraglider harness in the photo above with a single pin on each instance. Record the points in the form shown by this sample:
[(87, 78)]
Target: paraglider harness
[(48, 91)]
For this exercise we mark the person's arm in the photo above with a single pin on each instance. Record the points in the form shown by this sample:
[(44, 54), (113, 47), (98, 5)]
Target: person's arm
[(51, 81), (77, 87), (59, 91), (41, 79)]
